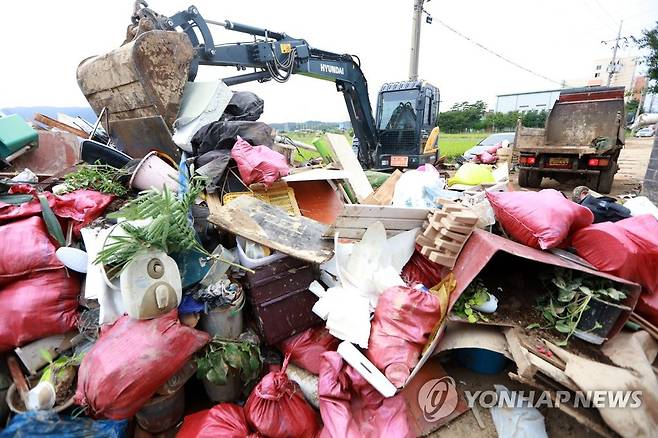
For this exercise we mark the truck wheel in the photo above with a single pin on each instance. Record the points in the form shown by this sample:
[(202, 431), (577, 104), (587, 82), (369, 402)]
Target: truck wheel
[(528, 178), (606, 178)]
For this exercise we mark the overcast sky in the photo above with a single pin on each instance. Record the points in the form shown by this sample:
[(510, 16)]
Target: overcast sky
[(44, 41)]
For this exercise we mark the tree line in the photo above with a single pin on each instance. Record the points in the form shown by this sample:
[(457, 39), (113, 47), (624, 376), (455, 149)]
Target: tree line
[(466, 116)]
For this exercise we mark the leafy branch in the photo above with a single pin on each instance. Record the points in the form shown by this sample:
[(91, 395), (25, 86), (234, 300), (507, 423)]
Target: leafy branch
[(476, 294), (221, 356)]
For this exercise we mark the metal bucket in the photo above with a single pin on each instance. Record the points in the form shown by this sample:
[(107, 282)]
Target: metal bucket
[(162, 412), (225, 322), (229, 392)]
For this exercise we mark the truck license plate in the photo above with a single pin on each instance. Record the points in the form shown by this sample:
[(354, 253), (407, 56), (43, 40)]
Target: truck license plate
[(558, 162), (400, 161)]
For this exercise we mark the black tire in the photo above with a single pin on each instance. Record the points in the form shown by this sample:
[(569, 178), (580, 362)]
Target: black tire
[(529, 178), (606, 178)]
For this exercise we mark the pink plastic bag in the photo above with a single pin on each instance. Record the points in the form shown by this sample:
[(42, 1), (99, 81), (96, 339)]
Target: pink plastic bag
[(131, 361), (36, 306), (276, 408), (627, 249), (25, 248), (224, 420), (306, 348), (403, 321), (487, 158), (352, 408), (82, 206), (543, 219), (258, 164)]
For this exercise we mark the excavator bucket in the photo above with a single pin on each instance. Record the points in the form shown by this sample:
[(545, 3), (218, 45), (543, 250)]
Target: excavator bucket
[(141, 85)]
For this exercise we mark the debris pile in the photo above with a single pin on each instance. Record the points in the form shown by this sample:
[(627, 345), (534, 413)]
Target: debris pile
[(225, 285)]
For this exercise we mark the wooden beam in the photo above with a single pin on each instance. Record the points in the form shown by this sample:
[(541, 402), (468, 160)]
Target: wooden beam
[(52, 123)]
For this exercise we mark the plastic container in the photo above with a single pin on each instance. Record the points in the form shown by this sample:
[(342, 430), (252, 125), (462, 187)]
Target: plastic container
[(154, 172), (225, 322), (481, 361), (250, 263), (229, 392)]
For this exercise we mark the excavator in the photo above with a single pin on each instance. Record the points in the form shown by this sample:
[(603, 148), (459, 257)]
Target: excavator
[(141, 83)]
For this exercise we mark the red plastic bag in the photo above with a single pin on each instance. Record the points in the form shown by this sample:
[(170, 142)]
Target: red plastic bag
[(82, 206), (38, 305), (223, 420), (276, 408), (306, 348), (543, 219), (25, 248), (403, 321), (627, 249), (131, 361), (420, 269), (352, 408), (258, 164)]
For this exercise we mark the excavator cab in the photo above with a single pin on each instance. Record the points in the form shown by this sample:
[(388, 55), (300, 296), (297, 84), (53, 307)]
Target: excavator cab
[(406, 114)]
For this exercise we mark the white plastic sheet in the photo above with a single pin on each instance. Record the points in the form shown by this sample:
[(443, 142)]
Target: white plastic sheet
[(517, 422)]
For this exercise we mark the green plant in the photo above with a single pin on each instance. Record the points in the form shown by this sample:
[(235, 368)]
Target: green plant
[(61, 373), (99, 177), (474, 295), (168, 229), (221, 356), (569, 297)]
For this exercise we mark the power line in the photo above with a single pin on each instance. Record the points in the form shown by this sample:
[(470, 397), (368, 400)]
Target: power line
[(515, 64), (605, 10)]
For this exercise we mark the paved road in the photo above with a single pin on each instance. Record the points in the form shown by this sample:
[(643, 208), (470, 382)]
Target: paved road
[(633, 165)]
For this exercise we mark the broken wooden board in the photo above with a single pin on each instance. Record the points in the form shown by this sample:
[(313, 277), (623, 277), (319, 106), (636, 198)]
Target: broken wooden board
[(317, 175), (346, 159), (271, 226), (384, 194), (356, 218)]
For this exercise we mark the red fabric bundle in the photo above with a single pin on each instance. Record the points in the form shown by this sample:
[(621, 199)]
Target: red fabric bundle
[(131, 361), (404, 319), (419, 269), (306, 348), (25, 248), (258, 164), (36, 306), (627, 249), (541, 219), (82, 206), (223, 420), (276, 408), (352, 408)]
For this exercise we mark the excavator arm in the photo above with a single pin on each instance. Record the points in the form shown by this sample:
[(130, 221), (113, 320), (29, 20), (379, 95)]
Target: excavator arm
[(273, 56)]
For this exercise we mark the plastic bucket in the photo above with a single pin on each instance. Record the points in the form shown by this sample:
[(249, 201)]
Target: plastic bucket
[(481, 361), (154, 172), (229, 392), (224, 322)]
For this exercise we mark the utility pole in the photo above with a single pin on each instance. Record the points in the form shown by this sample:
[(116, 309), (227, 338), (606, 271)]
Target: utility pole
[(415, 39), (612, 67)]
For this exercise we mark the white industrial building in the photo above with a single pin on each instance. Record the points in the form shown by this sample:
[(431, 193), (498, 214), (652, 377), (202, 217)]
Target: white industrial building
[(534, 100)]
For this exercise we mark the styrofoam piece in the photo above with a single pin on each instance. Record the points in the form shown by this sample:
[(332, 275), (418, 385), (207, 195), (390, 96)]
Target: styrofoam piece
[(366, 368), (73, 258)]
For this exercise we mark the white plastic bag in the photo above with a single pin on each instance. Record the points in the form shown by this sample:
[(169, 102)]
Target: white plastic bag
[(526, 422), (418, 188)]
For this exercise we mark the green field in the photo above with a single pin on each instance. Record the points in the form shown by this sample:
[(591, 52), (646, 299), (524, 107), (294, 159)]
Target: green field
[(451, 145)]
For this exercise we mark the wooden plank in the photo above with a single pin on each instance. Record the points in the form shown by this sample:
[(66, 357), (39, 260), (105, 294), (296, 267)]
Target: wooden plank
[(342, 150), (355, 233), (317, 175), (389, 224), (380, 211), (384, 194), (52, 123), (271, 226)]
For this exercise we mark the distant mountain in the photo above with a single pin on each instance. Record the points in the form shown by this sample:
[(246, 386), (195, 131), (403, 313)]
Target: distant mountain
[(27, 112), (313, 125)]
